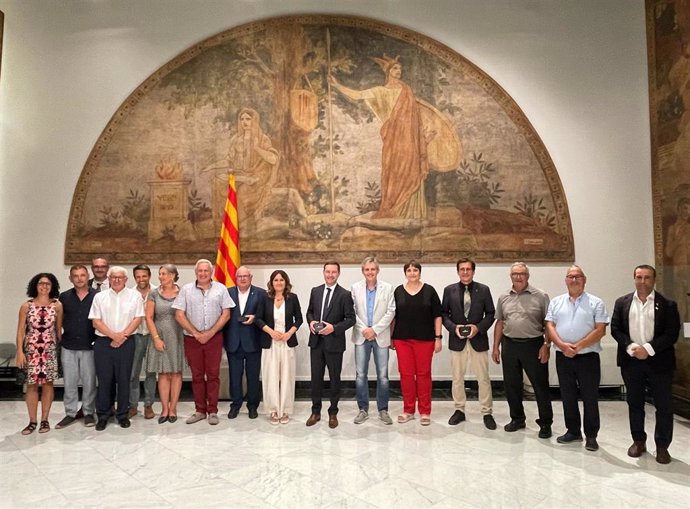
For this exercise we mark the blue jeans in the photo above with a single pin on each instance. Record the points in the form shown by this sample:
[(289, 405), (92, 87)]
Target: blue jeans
[(362, 355), (141, 344)]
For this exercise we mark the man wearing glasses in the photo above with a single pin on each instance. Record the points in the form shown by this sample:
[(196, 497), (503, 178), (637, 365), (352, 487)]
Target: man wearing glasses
[(99, 269), (519, 330), (575, 323), (116, 314)]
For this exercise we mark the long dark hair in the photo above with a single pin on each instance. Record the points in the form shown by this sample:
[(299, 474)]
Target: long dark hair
[(32, 287), (288, 285)]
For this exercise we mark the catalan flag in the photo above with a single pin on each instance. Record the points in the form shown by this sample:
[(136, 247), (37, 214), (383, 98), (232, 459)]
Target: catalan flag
[(228, 257)]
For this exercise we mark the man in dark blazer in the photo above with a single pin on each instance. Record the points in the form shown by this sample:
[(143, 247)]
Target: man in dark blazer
[(241, 339), (330, 314), (646, 325), (468, 340)]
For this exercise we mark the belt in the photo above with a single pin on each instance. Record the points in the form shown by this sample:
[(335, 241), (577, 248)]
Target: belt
[(525, 340)]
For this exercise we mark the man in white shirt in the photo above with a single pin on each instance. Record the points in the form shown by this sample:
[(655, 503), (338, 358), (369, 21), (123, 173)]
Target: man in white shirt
[(116, 314), (646, 325), (142, 338)]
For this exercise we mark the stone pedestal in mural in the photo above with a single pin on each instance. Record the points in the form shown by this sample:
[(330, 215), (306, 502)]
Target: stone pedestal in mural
[(169, 210)]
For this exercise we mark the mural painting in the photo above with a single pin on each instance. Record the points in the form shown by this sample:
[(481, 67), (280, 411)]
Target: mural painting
[(347, 136), (668, 40)]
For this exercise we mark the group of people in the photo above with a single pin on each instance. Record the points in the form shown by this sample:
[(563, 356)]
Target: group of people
[(105, 331)]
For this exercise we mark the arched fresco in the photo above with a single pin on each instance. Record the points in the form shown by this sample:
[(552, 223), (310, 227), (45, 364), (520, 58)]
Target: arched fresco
[(347, 136)]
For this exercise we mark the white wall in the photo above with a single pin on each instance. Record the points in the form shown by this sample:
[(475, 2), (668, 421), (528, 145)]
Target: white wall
[(577, 69)]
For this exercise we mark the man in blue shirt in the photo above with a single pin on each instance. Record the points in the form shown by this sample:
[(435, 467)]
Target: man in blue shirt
[(575, 323)]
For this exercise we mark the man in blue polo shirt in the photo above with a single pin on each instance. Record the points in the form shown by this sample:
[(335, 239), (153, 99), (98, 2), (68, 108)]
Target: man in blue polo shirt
[(575, 323)]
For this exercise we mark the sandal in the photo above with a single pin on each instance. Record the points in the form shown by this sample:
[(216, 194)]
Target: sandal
[(45, 427), (425, 420), (29, 429), (402, 419), (274, 418), (284, 419)]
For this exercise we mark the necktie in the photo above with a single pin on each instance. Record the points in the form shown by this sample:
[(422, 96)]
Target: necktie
[(466, 302), (98, 287), (326, 302)]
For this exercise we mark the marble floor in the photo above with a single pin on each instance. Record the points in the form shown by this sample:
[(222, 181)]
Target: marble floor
[(251, 463)]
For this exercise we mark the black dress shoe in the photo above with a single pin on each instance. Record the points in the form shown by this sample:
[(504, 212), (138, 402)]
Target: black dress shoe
[(233, 413), (102, 423), (514, 425), (545, 431), (662, 456), (162, 419), (124, 422), (172, 418), (253, 414), (591, 444), (489, 421), (457, 417), (637, 449), (569, 438)]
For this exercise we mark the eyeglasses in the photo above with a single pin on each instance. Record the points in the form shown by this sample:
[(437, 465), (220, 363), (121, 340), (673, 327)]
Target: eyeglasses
[(45, 283), (518, 274), (243, 277), (574, 278), (117, 278)]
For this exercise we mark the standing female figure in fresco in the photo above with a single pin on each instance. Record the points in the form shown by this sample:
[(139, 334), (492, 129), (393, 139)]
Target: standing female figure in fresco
[(404, 163), (38, 333)]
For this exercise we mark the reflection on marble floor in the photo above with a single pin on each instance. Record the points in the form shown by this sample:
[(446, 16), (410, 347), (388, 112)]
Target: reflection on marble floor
[(251, 463)]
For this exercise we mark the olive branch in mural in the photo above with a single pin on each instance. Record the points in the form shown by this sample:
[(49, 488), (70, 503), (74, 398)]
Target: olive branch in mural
[(346, 136)]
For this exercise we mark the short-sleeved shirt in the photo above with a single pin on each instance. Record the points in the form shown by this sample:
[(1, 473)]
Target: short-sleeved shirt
[(415, 314), (522, 313), (78, 332), (203, 308), (116, 309), (574, 320)]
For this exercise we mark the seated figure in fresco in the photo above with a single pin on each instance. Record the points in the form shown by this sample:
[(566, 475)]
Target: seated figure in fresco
[(404, 162)]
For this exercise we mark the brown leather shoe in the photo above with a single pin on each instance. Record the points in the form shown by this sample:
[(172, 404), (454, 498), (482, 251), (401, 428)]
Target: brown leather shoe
[(662, 456), (313, 419), (149, 413), (332, 421), (132, 412), (637, 449)]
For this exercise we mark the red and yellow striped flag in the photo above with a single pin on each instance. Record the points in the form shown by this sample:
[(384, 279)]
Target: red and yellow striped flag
[(228, 257)]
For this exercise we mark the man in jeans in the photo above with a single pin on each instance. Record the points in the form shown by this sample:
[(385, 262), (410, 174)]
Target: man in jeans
[(77, 349), (375, 309), (142, 337), (202, 309)]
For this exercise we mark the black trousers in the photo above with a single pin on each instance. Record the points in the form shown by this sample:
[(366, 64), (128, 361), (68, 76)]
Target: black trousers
[(519, 355), (237, 362), (320, 359), (581, 372), (636, 375), (113, 371)]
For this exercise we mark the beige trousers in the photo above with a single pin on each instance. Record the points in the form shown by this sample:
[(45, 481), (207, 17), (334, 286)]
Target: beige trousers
[(278, 369), (479, 362)]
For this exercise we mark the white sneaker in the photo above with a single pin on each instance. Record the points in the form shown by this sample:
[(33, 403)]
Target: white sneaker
[(361, 417), (196, 417), (213, 419), (383, 415)]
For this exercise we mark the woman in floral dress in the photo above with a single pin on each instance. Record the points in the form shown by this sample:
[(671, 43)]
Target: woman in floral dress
[(38, 333)]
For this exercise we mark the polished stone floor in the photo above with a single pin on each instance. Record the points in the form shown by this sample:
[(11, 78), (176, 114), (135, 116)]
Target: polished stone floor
[(245, 463)]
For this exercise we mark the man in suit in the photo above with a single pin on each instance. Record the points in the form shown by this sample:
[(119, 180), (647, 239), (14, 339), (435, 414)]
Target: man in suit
[(468, 313), (646, 325), (330, 314), (242, 344), (375, 309), (575, 323), (99, 269)]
